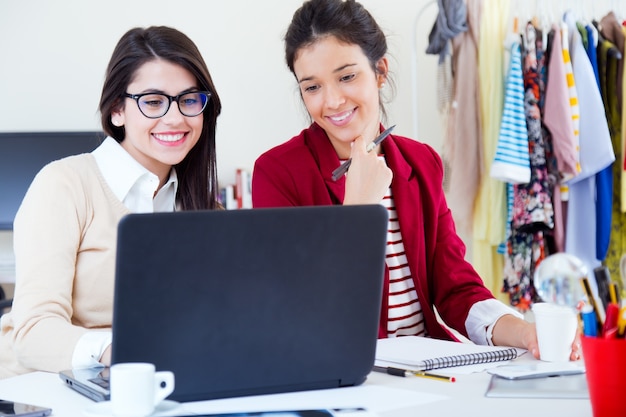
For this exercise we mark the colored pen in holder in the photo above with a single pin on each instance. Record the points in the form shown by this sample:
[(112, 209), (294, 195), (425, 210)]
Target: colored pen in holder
[(590, 322)]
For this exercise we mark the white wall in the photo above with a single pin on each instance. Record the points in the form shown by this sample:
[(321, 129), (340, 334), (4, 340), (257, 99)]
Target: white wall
[(54, 54)]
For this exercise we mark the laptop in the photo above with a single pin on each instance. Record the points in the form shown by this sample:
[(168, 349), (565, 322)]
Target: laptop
[(247, 302)]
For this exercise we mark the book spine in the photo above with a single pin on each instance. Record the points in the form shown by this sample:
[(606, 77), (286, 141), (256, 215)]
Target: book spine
[(469, 359), (243, 194), (239, 187), (230, 203)]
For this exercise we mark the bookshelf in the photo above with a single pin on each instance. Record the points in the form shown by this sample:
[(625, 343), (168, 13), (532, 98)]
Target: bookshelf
[(238, 195)]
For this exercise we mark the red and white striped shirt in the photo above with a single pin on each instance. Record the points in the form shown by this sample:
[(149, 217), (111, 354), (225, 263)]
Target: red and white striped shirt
[(405, 312)]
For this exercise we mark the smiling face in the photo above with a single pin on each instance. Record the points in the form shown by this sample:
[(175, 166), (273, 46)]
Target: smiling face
[(158, 144), (340, 90)]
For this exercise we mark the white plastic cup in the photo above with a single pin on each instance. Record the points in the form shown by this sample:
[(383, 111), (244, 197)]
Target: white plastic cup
[(136, 388), (556, 331)]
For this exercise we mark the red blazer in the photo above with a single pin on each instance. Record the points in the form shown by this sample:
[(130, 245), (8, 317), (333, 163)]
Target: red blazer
[(298, 173)]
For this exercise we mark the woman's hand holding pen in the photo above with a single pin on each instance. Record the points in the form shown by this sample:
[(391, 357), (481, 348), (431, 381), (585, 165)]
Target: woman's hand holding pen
[(368, 177)]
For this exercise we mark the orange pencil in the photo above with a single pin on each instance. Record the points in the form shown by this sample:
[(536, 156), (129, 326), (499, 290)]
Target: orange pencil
[(621, 322)]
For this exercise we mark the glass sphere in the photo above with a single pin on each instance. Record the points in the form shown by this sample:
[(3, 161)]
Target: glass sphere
[(557, 279)]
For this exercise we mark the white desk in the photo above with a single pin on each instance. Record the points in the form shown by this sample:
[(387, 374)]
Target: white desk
[(386, 395)]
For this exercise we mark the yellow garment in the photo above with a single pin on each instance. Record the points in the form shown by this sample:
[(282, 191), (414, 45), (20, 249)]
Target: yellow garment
[(490, 205), (617, 243), (619, 159)]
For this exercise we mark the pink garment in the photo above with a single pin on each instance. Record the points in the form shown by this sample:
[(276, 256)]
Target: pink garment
[(557, 118), (463, 142), (558, 113)]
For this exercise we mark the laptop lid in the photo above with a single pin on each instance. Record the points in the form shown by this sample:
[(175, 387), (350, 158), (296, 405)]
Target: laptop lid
[(248, 302)]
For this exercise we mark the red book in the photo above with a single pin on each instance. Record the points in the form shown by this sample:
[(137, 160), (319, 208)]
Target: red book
[(239, 187)]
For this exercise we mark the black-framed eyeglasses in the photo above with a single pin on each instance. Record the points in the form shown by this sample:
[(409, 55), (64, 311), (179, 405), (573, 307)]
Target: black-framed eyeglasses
[(155, 105)]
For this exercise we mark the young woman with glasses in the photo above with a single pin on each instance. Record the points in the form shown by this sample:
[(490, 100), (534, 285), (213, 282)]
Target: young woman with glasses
[(159, 109), (337, 53)]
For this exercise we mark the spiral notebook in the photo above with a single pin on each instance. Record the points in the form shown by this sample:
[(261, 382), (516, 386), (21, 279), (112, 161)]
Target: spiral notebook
[(423, 354)]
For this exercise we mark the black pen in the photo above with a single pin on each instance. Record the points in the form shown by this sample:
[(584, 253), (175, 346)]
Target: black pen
[(407, 372), (337, 173)]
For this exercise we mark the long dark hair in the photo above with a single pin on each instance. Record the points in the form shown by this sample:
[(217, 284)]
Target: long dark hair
[(197, 172), (346, 20)]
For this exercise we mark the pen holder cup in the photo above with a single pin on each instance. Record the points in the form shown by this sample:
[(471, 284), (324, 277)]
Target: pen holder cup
[(605, 364)]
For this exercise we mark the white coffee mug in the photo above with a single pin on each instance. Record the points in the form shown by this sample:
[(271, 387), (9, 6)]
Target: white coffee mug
[(136, 388), (556, 331)]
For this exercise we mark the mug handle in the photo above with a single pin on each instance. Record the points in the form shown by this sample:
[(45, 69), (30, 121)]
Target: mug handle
[(163, 385)]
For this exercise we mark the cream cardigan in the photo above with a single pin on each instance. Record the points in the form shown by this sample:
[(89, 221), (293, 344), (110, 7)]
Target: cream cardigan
[(64, 242)]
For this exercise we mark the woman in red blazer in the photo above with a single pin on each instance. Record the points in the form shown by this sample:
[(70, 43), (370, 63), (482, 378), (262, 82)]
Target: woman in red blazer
[(336, 52)]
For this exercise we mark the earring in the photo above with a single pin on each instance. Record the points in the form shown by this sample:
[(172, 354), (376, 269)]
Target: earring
[(382, 85), (115, 122)]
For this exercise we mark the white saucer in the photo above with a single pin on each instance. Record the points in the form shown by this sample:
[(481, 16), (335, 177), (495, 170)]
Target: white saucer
[(164, 408)]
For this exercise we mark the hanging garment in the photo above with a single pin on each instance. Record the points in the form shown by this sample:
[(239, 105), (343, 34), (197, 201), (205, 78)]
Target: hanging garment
[(524, 252), (612, 31), (596, 153), (502, 247), (604, 178), (511, 162), (532, 202), (557, 116), (573, 97), (451, 20), (543, 50), (608, 58), (558, 112), (623, 145), (490, 208), (463, 142)]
